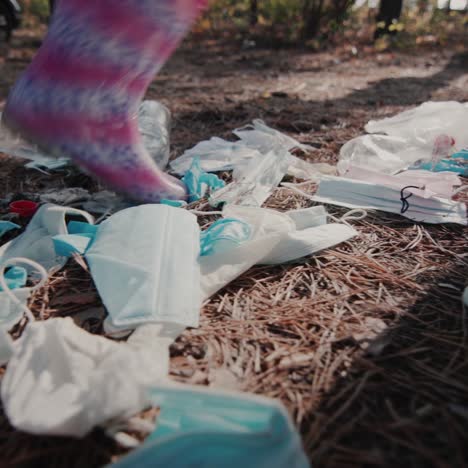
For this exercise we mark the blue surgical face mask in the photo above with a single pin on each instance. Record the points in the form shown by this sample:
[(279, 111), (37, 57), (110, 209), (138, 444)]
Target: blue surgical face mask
[(213, 429)]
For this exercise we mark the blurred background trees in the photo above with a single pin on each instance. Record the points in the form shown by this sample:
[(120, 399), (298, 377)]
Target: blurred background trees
[(318, 23)]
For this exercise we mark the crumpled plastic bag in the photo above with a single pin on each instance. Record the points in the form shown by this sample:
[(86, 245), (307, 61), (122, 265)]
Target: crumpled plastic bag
[(63, 381), (427, 133)]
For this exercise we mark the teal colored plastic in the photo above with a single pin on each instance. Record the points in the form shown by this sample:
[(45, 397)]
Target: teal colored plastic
[(78, 227), (174, 203), (6, 226), (15, 277), (198, 182), (222, 234), (209, 429)]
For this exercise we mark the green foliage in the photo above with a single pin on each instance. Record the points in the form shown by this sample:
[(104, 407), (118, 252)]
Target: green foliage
[(39, 9)]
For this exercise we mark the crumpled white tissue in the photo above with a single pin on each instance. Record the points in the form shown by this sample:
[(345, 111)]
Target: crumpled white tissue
[(63, 381)]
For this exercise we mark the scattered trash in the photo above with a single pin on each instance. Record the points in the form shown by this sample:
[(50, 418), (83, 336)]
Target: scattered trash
[(410, 201), (252, 185), (220, 428), (199, 182), (55, 364), (13, 295), (7, 226), (35, 243), (66, 196), (224, 234), (425, 134), (151, 251), (24, 208)]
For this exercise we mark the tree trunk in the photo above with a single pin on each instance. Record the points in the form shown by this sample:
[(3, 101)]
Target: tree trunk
[(253, 12), (312, 12), (389, 11)]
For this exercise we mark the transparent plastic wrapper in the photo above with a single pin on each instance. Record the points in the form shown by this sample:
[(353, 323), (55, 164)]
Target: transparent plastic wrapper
[(154, 122), (255, 182), (428, 133)]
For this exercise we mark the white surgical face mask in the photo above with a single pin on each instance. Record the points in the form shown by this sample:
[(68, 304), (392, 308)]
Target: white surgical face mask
[(151, 253), (36, 242), (409, 202), (432, 184)]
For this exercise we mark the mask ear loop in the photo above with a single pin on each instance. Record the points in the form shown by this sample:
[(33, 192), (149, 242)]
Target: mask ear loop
[(460, 189), (11, 295)]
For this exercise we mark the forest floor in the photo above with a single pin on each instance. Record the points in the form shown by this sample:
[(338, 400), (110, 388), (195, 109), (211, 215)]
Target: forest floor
[(366, 343)]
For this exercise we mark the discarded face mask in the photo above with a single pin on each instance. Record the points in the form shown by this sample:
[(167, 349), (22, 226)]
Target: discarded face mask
[(299, 244), (151, 252), (215, 429), (433, 184), (263, 138), (36, 244), (6, 226), (13, 295), (308, 217), (253, 184), (222, 235), (199, 183), (410, 201), (55, 364), (312, 236)]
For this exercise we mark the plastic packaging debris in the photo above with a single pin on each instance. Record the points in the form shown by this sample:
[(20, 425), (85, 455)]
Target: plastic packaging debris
[(6, 226), (151, 252), (426, 122), (223, 234), (218, 429), (54, 366), (409, 201), (253, 184), (308, 171), (154, 123), (421, 135), (199, 182), (13, 295), (36, 242), (6, 347), (215, 155), (259, 136), (24, 208), (66, 196)]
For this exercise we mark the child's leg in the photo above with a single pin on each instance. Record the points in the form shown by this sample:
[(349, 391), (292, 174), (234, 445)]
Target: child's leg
[(80, 95)]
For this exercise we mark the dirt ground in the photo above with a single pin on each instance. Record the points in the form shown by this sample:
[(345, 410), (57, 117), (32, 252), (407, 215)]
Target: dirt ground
[(360, 397)]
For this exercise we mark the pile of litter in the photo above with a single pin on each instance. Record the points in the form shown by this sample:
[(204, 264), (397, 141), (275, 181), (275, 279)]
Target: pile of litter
[(154, 267)]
